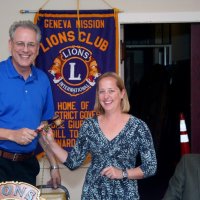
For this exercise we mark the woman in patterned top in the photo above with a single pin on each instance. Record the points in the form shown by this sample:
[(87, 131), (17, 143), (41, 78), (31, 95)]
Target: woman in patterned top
[(114, 138)]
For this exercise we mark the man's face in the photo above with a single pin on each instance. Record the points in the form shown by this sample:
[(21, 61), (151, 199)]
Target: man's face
[(24, 47)]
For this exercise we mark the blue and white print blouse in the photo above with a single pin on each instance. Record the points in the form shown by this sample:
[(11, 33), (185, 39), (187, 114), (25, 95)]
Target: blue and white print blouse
[(121, 152)]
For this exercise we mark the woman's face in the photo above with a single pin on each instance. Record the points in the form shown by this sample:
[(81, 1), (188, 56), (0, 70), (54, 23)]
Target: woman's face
[(110, 95)]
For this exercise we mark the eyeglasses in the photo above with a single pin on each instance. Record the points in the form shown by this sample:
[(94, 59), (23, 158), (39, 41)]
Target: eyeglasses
[(22, 45)]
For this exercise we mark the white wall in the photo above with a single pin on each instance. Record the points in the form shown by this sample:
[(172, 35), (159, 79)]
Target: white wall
[(132, 11)]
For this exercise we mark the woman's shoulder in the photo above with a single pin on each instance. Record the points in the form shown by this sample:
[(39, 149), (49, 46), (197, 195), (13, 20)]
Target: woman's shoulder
[(90, 120), (136, 119), (138, 122)]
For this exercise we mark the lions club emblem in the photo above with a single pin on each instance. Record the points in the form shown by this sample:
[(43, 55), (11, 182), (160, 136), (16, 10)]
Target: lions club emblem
[(74, 70)]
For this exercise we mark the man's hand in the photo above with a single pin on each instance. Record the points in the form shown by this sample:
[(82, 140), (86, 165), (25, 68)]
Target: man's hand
[(23, 136)]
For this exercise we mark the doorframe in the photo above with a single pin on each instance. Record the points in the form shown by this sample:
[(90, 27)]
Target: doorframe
[(168, 17)]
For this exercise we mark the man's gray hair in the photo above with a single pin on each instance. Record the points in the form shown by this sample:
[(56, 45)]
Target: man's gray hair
[(25, 24)]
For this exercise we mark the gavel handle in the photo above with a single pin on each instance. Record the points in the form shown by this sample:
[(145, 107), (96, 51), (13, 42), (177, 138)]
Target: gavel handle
[(38, 130)]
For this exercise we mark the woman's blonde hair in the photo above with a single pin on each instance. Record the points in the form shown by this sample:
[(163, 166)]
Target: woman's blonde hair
[(125, 105)]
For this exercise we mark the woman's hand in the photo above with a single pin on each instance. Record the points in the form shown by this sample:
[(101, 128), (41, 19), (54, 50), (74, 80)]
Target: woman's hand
[(112, 172), (46, 133)]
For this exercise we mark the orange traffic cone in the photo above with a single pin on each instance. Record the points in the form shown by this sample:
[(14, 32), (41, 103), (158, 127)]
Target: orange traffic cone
[(184, 139)]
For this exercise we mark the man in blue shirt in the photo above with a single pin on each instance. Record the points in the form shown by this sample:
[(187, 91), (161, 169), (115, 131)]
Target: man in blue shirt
[(25, 102)]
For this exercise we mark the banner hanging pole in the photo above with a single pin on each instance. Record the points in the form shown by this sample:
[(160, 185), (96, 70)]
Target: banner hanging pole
[(28, 11), (33, 11)]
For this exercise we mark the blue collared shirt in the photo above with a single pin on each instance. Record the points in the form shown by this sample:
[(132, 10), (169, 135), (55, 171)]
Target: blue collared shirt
[(23, 103)]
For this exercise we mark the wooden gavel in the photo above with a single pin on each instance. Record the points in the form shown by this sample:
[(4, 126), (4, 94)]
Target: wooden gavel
[(56, 120)]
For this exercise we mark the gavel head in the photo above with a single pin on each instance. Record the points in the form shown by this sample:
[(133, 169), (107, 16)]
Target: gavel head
[(56, 120)]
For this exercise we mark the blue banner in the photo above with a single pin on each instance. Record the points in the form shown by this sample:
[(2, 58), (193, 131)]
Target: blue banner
[(75, 49)]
